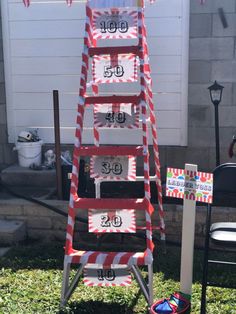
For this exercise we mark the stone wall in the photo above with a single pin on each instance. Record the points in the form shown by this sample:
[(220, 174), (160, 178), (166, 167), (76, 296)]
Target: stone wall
[(43, 224), (211, 57)]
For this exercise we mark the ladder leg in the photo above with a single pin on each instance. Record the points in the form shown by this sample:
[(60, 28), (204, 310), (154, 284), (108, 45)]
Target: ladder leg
[(142, 284), (65, 283), (74, 282), (150, 284)]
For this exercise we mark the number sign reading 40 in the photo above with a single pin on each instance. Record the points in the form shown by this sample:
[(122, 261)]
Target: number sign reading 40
[(115, 24), (113, 168), (116, 115), (112, 221), (115, 69)]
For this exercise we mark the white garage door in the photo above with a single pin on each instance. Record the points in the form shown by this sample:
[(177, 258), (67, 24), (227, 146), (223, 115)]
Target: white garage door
[(42, 53)]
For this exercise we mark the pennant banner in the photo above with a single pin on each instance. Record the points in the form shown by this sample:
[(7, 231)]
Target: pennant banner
[(120, 68), (113, 168), (104, 3), (115, 24), (189, 185), (110, 221), (116, 115)]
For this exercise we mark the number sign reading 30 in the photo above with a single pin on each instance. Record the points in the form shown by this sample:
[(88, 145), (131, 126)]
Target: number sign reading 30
[(113, 167)]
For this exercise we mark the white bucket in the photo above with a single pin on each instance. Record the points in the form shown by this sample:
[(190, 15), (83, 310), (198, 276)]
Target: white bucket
[(29, 153)]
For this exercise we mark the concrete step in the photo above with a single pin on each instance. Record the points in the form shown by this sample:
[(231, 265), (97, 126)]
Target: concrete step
[(12, 232), (4, 250), (19, 176)]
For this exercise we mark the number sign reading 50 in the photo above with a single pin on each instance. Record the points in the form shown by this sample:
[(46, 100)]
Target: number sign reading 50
[(110, 71), (122, 68)]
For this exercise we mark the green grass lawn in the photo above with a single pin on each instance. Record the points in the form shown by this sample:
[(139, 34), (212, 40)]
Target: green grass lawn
[(31, 278)]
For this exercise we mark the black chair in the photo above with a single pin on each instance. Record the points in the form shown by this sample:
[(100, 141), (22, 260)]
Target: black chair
[(221, 234)]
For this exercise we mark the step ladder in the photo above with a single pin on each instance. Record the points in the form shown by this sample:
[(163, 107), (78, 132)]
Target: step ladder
[(108, 25)]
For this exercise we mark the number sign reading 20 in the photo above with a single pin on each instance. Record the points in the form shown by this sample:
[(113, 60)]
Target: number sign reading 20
[(108, 222), (120, 220)]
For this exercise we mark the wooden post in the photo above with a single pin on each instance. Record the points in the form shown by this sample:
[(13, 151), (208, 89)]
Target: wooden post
[(57, 143), (187, 250)]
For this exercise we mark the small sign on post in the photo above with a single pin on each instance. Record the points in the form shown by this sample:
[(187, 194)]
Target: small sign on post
[(192, 186)]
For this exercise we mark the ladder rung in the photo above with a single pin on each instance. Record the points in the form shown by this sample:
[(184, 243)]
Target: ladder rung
[(111, 203), (110, 150), (112, 99), (113, 50), (108, 258)]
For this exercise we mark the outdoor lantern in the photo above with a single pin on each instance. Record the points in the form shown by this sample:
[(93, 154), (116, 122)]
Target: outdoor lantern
[(216, 96), (216, 93)]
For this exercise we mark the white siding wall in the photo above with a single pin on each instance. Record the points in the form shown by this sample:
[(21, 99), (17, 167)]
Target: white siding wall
[(42, 51)]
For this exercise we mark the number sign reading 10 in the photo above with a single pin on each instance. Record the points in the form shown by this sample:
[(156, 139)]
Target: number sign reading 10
[(115, 275), (113, 167), (115, 24)]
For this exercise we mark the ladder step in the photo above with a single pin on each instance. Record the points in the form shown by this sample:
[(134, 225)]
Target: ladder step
[(134, 99), (110, 150), (113, 50), (111, 203), (109, 258)]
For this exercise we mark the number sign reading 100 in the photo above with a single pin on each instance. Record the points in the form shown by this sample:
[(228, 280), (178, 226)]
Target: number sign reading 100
[(112, 26)]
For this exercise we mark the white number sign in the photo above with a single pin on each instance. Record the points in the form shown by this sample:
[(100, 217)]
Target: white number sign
[(99, 275), (116, 115), (120, 68), (115, 24), (109, 221), (113, 167)]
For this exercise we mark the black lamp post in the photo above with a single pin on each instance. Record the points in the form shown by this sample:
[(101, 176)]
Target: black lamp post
[(216, 96)]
